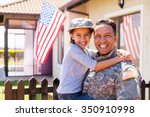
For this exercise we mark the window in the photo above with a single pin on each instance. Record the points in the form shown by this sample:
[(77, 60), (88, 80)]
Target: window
[(129, 34), (20, 42), (20, 52)]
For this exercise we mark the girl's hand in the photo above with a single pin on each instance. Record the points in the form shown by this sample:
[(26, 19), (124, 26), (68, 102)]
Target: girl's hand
[(125, 55)]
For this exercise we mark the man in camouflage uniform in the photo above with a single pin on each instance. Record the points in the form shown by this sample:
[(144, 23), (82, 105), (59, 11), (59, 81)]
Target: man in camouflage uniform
[(119, 82)]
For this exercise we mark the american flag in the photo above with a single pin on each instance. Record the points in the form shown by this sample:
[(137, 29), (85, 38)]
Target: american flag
[(48, 27), (131, 32)]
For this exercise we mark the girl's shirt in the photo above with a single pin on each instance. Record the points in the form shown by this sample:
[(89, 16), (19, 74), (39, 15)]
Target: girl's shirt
[(75, 64)]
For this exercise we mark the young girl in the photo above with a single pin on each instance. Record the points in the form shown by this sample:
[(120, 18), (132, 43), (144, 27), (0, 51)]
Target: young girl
[(76, 61)]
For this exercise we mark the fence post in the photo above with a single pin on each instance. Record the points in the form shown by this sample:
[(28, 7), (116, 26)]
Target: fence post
[(55, 85), (8, 90), (44, 89), (20, 90), (149, 89), (32, 89), (143, 90)]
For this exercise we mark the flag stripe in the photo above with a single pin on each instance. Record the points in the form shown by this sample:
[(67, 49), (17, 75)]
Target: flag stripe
[(131, 26), (52, 42), (50, 24), (132, 41), (50, 35), (128, 43), (136, 41), (127, 47), (39, 38), (44, 39)]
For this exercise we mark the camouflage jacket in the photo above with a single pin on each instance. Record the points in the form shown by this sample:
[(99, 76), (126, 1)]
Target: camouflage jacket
[(120, 82)]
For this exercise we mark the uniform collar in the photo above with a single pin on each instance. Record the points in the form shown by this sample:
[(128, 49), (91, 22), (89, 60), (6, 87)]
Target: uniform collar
[(111, 54)]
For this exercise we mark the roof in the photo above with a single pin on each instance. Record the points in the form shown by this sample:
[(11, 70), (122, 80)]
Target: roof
[(29, 6), (4, 2)]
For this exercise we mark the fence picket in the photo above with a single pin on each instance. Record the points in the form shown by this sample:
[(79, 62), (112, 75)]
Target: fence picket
[(32, 89), (44, 89), (18, 94), (143, 90), (149, 90), (8, 90), (55, 85), (20, 90)]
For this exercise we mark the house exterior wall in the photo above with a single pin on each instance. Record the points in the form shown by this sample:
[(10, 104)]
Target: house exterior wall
[(145, 62), (98, 9)]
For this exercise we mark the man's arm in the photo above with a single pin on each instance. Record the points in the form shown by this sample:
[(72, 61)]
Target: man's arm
[(128, 88)]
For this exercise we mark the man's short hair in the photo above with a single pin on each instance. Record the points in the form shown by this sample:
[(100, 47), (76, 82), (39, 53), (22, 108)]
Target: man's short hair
[(108, 22)]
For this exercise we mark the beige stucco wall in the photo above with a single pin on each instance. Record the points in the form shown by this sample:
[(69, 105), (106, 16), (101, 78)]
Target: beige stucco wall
[(98, 9), (145, 69)]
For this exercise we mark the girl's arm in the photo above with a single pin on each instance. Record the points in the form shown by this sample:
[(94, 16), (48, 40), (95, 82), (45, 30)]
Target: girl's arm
[(122, 55), (108, 63), (77, 54)]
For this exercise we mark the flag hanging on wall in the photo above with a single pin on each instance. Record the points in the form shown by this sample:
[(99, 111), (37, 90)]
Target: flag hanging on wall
[(49, 25), (131, 32)]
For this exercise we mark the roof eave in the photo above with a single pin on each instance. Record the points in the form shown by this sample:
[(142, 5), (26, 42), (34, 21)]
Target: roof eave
[(73, 4)]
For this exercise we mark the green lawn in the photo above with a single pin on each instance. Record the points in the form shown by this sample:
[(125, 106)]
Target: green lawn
[(1, 93)]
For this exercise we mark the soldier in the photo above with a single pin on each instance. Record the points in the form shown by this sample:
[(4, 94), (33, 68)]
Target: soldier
[(76, 61), (119, 82)]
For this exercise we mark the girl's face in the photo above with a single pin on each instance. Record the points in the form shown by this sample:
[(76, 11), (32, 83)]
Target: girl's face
[(81, 36)]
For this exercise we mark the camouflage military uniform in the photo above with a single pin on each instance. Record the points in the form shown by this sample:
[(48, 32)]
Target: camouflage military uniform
[(121, 81)]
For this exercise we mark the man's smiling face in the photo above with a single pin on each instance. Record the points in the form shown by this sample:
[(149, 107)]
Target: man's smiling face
[(104, 38)]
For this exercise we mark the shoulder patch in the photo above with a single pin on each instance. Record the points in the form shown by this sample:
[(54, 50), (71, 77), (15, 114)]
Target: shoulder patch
[(128, 74)]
